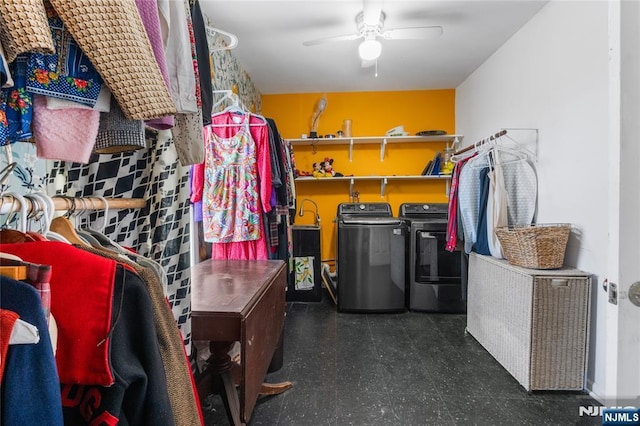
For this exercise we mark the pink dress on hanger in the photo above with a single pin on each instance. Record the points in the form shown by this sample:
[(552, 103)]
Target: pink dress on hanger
[(237, 181)]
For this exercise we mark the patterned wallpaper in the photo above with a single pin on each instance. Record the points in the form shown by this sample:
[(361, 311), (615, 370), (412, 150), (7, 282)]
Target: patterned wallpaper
[(31, 173), (227, 74)]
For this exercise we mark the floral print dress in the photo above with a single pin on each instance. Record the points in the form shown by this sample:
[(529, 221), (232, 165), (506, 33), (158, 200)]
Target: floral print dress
[(231, 209)]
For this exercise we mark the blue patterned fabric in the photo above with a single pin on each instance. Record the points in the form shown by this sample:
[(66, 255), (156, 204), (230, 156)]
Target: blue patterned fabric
[(16, 105), (68, 73)]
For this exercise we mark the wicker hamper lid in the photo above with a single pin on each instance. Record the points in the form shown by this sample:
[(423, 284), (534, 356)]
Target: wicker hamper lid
[(111, 34), (24, 28)]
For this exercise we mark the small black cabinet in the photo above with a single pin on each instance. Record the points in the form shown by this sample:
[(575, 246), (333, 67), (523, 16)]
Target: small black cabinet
[(305, 280)]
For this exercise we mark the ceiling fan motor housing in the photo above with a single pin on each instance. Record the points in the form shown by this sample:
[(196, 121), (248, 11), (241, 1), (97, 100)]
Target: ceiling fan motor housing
[(368, 29)]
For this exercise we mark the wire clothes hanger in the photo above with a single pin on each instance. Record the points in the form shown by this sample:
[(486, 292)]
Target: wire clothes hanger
[(82, 216), (499, 145), (474, 147), (236, 107), (493, 143), (228, 94), (48, 208), (105, 215), (6, 172), (21, 234), (63, 225), (22, 224), (233, 39)]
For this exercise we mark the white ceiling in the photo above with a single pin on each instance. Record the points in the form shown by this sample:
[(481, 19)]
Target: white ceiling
[(271, 34)]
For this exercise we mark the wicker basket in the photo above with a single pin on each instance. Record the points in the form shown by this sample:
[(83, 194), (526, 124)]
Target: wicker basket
[(540, 246)]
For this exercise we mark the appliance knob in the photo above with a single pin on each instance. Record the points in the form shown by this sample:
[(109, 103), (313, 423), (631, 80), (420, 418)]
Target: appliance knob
[(425, 207), (362, 206)]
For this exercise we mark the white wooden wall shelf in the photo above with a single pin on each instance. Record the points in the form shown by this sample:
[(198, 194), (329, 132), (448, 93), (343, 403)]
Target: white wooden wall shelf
[(383, 180), (370, 140)]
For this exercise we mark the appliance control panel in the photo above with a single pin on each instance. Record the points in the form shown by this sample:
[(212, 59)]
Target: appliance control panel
[(371, 209), (412, 209)]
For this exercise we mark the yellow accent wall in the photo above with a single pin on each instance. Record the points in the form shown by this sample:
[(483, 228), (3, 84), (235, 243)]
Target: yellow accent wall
[(372, 114)]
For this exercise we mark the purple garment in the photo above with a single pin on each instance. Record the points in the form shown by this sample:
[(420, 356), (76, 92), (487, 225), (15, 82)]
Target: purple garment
[(148, 10), (197, 211)]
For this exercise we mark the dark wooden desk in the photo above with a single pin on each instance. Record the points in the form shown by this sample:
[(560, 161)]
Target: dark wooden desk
[(238, 300)]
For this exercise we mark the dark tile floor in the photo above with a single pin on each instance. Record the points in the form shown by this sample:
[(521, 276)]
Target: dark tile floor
[(396, 369)]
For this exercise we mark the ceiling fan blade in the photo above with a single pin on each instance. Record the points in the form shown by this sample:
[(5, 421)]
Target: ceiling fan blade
[(412, 33), (331, 39)]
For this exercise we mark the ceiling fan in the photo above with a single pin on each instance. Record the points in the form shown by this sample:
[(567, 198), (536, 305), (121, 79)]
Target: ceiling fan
[(370, 28)]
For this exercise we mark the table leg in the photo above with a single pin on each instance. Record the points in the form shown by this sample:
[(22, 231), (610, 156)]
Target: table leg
[(266, 389), (218, 379)]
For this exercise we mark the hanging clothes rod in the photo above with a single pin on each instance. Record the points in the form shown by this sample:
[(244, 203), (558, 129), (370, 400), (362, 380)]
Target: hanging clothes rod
[(481, 142), (9, 204), (95, 203)]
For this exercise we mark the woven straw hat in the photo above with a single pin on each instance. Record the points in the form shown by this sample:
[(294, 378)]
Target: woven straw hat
[(24, 28), (111, 34)]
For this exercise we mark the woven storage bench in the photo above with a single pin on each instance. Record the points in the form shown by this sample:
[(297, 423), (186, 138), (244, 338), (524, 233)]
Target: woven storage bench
[(535, 323)]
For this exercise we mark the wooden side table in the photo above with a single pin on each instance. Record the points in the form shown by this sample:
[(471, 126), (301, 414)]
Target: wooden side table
[(238, 300)]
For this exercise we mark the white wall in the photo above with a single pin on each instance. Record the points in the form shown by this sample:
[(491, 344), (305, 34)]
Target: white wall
[(552, 75)]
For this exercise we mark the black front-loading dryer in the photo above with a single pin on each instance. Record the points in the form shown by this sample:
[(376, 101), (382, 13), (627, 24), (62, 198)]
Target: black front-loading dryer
[(434, 276)]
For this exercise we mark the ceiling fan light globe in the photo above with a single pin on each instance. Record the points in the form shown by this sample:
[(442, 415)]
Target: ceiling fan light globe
[(370, 50)]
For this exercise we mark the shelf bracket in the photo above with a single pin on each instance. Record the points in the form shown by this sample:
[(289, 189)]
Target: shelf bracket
[(383, 145), (448, 188), (350, 149), (383, 187), (454, 143), (351, 182)]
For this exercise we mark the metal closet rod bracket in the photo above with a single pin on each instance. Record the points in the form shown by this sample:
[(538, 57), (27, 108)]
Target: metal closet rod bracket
[(533, 131)]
